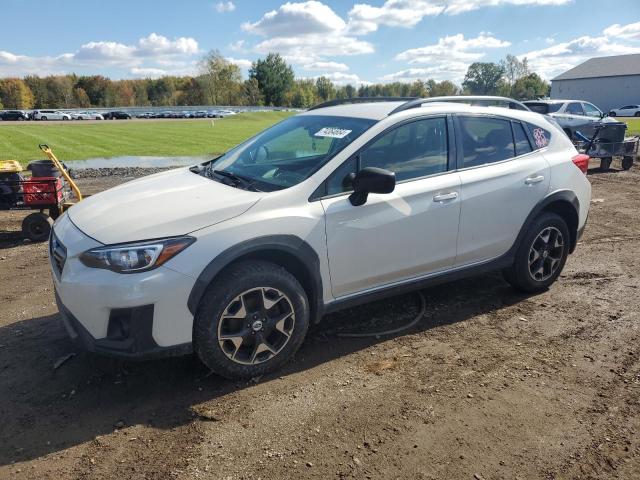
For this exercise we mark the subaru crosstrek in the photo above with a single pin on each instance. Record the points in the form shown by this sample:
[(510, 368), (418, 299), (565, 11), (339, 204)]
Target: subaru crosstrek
[(336, 206)]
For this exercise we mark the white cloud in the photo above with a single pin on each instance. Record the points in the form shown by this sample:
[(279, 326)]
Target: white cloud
[(552, 61), (241, 62), (327, 66), (222, 7), (446, 60), (630, 31), (305, 33), (365, 18), (143, 57), (237, 46), (293, 19), (148, 72)]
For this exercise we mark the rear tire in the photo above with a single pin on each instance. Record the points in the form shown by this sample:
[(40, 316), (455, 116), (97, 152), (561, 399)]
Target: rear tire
[(627, 163), (637, 114), (612, 114), (541, 255), (251, 320), (37, 227)]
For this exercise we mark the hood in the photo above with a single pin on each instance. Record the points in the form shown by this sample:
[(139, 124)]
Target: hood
[(167, 204)]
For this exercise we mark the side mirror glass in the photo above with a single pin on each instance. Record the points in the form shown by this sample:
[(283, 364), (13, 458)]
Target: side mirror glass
[(371, 180)]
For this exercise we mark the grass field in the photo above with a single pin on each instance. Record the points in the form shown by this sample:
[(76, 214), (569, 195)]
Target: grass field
[(77, 140), (634, 126), (167, 138)]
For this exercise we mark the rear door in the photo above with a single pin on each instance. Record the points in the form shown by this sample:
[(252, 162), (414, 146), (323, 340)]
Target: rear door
[(503, 176), (406, 234)]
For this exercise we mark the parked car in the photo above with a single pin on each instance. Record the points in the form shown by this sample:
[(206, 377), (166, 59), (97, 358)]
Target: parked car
[(14, 115), (117, 115), (145, 115), (571, 115), (626, 111), (250, 249), (50, 115), (200, 114), (86, 116)]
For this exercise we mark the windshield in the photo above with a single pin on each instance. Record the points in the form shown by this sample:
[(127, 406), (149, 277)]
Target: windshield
[(289, 152), (543, 107)]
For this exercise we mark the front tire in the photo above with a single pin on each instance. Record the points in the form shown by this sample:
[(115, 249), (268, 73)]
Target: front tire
[(251, 320), (541, 255)]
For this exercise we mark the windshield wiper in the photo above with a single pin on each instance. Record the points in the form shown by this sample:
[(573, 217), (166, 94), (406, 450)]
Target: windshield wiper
[(238, 179)]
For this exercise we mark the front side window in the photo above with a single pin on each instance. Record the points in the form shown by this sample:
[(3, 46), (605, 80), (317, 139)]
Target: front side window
[(575, 109), (591, 110), (412, 150), (485, 140), (287, 153)]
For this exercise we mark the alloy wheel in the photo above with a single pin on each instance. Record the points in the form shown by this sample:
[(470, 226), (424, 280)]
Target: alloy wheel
[(256, 325), (545, 254)]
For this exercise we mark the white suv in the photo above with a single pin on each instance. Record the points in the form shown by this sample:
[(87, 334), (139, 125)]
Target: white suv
[(235, 258)]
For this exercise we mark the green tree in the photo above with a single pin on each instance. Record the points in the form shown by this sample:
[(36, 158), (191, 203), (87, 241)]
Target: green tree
[(325, 89), (221, 80), (15, 93), (80, 98), (161, 91), (274, 76), (530, 87), (97, 88), (444, 88), (483, 78), (252, 94), (514, 69)]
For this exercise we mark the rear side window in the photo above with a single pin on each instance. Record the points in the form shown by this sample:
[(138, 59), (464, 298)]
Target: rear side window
[(485, 140), (522, 141), (542, 107)]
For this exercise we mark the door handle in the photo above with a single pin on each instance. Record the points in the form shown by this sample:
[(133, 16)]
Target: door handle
[(443, 197), (532, 180)]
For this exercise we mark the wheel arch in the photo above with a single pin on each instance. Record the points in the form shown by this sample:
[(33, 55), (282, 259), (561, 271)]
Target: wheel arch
[(564, 203), (288, 251)]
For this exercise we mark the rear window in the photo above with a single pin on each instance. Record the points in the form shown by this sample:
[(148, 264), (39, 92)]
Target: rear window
[(544, 108)]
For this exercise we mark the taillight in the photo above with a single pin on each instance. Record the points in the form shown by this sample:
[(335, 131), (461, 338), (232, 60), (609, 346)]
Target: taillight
[(582, 162)]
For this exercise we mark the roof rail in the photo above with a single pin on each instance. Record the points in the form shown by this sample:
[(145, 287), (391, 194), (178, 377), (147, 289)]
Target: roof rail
[(412, 103), (343, 101)]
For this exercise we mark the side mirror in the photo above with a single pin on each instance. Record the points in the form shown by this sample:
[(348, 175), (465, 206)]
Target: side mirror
[(371, 180)]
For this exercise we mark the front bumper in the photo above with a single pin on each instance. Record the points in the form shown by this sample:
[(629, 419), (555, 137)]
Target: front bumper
[(126, 315), (137, 344)]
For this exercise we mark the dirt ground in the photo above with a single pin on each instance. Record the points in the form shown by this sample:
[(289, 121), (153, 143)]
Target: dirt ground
[(490, 384)]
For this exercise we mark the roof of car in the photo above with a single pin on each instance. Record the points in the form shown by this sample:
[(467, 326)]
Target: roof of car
[(377, 110), (612, 66), (370, 110)]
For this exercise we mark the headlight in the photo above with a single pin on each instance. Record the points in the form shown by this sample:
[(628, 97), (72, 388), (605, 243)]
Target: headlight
[(135, 257)]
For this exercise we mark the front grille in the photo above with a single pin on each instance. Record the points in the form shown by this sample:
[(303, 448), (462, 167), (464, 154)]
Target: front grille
[(58, 254)]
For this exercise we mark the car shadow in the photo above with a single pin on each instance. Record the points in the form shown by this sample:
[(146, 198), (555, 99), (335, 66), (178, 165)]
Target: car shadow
[(46, 410)]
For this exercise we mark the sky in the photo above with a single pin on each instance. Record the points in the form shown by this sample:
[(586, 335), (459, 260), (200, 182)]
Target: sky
[(355, 42)]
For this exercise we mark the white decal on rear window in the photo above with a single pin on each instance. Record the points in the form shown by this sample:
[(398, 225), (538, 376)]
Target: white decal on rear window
[(539, 135), (332, 132)]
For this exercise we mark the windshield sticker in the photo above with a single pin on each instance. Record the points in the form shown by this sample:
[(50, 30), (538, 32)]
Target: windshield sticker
[(540, 138), (332, 132)]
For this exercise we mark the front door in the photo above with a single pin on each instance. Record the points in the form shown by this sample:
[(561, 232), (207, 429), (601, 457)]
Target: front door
[(406, 234)]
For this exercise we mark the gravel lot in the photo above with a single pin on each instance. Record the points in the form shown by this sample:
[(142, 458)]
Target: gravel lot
[(490, 384)]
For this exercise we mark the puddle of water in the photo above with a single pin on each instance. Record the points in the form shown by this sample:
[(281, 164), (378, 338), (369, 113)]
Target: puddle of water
[(143, 162)]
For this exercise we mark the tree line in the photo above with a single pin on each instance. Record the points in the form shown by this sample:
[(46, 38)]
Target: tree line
[(271, 82)]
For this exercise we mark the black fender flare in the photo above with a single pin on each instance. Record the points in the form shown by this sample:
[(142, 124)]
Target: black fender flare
[(290, 245), (559, 195)]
